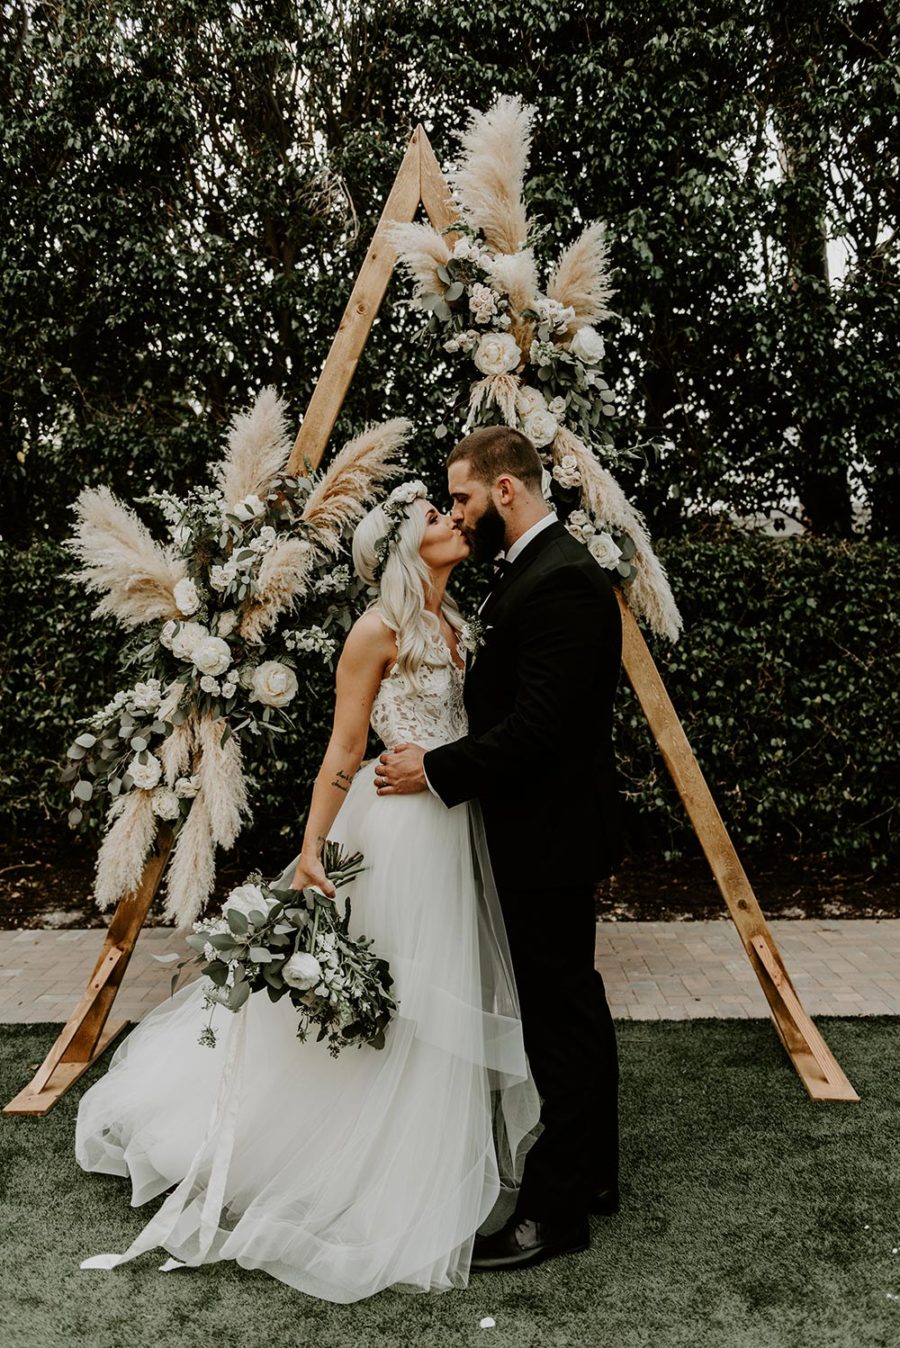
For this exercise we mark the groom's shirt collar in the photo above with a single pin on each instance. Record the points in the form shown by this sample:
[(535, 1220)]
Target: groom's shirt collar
[(522, 542)]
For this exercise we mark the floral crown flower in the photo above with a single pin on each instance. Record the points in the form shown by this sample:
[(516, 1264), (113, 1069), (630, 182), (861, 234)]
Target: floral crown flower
[(396, 510)]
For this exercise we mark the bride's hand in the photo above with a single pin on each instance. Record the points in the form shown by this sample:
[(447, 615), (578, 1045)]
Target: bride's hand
[(310, 873)]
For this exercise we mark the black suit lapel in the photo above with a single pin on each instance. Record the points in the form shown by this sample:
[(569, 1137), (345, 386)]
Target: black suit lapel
[(529, 554)]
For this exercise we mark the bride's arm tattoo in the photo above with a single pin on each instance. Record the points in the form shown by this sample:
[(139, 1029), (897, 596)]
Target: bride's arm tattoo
[(342, 780)]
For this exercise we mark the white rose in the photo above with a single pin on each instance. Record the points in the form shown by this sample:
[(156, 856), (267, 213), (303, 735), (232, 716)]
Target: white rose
[(249, 509), (530, 400), (146, 775), (557, 406), (227, 622), (165, 803), (462, 248), (187, 787), (567, 472), (186, 638), (228, 689), (219, 578), (603, 549), (302, 971), (247, 899), (146, 696), (580, 526), (540, 427), (497, 353), (209, 684), (211, 655), (587, 345), (273, 684), (186, 596)]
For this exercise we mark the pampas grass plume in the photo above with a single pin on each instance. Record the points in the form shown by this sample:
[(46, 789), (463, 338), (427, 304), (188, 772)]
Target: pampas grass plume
[(119, 556), (581, 278), (120, 860), (258, 447), (350, 485), (490, 180)]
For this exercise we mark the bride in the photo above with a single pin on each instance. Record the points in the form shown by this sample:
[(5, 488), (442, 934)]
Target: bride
[(345, 1176)]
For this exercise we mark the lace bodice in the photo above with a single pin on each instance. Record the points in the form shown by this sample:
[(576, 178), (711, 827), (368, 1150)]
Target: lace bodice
[(435, 715)]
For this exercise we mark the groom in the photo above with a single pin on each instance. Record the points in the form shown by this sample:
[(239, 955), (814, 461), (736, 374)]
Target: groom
[(539, 758)]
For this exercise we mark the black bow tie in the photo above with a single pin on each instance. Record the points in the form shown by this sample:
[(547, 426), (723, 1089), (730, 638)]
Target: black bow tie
[(501, 566)]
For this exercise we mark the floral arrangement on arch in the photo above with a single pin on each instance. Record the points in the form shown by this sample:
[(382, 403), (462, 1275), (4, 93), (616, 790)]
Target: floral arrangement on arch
[(249, 583), (537, 353)]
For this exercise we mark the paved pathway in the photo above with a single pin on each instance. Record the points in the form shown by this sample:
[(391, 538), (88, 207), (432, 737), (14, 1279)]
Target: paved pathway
[(652, 970)]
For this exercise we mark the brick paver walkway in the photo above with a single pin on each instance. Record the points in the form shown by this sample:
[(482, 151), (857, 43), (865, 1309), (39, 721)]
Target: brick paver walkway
[(652, 970)]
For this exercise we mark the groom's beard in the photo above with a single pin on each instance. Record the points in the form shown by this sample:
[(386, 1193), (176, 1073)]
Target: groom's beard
[(488, 537)]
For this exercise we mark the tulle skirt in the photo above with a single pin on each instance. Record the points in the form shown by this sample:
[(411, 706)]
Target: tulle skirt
[(340, 1176)]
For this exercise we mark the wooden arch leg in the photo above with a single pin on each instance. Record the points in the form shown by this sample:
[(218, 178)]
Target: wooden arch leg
[(87, 1034), (816, 1066)]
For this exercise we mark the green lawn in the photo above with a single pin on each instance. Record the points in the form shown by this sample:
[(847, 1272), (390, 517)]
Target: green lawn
[(752, 1218)]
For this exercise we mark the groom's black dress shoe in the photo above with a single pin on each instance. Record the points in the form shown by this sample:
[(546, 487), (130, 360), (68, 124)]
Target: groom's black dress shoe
[(605, 1203), (522, 1242)]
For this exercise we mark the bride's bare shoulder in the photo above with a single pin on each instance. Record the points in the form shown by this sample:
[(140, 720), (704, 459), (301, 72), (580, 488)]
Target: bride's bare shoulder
[(370, 638)]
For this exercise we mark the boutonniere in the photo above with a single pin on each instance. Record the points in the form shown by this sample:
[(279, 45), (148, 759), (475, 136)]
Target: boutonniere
[(472, 635)]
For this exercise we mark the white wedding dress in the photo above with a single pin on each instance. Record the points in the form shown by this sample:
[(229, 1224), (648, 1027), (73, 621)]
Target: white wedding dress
[(342, 1176)]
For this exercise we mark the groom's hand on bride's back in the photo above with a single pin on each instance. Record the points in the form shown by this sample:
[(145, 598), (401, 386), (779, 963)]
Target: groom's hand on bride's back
[(400, 771)]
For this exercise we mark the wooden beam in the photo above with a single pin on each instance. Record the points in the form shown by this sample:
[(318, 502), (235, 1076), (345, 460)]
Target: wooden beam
[(818, 1069), (365, 299), (86, 1034)]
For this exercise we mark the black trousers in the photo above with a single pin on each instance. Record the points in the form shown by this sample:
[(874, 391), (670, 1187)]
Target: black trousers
[(570, 1040)]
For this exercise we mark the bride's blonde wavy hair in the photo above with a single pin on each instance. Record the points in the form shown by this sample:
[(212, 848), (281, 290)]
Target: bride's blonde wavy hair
[(403, 585)]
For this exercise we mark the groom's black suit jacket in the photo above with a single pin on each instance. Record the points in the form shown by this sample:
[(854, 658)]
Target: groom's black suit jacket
[(539, 697)]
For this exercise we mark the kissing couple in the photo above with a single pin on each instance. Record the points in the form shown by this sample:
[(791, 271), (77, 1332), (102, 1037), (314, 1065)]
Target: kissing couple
[(485, 824)]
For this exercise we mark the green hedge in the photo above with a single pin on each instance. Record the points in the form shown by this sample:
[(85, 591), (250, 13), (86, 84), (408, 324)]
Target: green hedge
[(785, 680)]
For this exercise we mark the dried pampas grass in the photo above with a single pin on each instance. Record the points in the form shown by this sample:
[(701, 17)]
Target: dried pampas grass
[(258, 448), (500, 389), (177, 749), (490, 180), (191, 872), (515, 275), (222, 784), (170, 700), (580, 278), (350, 485), (120, 861), (119, 556), (283, 579), (649, 593), (421, 250)]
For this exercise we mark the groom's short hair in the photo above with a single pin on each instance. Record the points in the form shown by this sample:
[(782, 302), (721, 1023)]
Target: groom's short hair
[(492, 451)]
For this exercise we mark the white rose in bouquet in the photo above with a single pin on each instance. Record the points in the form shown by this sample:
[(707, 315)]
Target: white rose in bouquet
[(249, 509), (186, 638), (530, 400), (211, 655), (482, 302), (145, 775), (587, 345), (540, 427), (557, 407), (165, 803), (247, 899), (604, 550), (227, 622), (186, 597), (497, 353), (273, 684), (302, 971), (462, 248), (187, 787), (209, 684), (219, 578)]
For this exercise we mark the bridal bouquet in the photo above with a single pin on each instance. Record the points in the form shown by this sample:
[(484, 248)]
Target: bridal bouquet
[(534, 349), (250, 579), (294, 943)]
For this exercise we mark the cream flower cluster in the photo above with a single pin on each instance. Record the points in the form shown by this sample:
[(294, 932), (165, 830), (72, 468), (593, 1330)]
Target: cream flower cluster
[(600, 544)]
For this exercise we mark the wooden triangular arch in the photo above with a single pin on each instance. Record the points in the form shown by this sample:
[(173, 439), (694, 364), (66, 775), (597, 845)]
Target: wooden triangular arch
[(420, 181)]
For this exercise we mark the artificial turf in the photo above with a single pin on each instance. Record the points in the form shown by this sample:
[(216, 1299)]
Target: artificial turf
[(751, 1218)]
